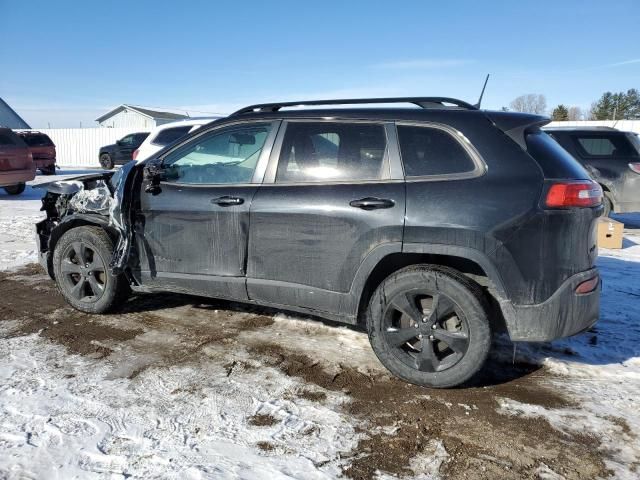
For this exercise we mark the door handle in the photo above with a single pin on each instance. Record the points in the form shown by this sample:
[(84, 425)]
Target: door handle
[(227, 201), (372, 203)]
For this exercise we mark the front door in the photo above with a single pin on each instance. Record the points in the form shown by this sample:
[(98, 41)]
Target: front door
[(329, 206), (192, 236)]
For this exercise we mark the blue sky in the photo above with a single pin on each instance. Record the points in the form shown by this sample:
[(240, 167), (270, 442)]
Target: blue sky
[(68, 62)]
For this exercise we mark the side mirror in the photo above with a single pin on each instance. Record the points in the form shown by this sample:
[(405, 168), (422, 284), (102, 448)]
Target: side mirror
[(152, 174), (119, 143)]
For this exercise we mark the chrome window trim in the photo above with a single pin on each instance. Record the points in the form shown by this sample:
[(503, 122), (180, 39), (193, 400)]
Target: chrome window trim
[(479, 163), (261, 164)]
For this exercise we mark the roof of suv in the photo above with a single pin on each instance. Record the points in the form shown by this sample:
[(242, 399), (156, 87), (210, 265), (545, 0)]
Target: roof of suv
[(439, 108)]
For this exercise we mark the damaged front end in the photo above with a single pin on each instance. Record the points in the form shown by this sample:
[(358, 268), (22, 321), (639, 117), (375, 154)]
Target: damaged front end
[(102, 200)]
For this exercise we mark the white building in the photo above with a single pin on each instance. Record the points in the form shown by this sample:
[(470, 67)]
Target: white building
[(9, 118), (137, 118)]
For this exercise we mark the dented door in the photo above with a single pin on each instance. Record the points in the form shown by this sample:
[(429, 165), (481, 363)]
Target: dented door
[(192, 236)]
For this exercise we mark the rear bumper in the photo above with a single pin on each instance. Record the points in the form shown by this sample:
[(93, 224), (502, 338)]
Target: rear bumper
[(565, 313), (16, 176)]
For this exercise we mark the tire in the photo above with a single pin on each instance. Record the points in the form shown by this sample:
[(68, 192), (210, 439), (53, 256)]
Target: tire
[(15, 189), (106, 161), (80, 263), (608, 205), (50, 170), (421, 355)]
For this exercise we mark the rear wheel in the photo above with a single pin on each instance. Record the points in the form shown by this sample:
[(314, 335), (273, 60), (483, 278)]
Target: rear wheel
[(49, 170), (15, 189), (428, 325), (106, 161), (80, 261)]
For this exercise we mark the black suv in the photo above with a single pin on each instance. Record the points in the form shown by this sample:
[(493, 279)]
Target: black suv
[(433, 227), (611, 157), (121, 152)]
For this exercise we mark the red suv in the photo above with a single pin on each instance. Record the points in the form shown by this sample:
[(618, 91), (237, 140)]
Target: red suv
[(16, 162), (42, 149)]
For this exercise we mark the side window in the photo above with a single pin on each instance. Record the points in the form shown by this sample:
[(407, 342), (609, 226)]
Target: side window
[(170, 135), (326, 152), (6, 140), (605, 146), (432, 151), (128, 140), (225, 156)]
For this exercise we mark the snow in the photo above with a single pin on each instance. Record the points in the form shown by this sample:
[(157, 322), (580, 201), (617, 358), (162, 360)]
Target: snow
[(70, 416), (18, 214)]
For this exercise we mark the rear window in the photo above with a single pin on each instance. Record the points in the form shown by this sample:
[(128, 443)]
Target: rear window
[(37, 140), (170, 135), (605, 146), (432, 151), (554, 160)]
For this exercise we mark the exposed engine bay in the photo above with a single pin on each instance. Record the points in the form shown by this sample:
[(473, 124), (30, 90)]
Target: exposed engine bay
[(103, 199)]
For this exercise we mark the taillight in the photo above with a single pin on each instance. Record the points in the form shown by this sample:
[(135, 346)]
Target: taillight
[(635, 167), (135, 154), (588, 286), (583, 193)]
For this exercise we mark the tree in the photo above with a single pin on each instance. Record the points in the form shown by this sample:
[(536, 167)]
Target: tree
[(560, 114), (530, 103), (617, 106), (575, 113)]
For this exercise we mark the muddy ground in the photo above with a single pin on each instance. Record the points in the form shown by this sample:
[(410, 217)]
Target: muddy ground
[(399, 421)]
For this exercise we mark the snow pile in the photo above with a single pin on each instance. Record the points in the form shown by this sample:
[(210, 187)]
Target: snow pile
[(65, 416)]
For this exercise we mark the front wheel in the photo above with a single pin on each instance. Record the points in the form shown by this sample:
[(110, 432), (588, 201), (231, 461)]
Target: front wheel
[(80, 262), (428, 325), (106, 161), (15, 189)]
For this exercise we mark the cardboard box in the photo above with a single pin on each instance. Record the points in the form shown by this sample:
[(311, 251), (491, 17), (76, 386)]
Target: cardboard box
[(609, 233)]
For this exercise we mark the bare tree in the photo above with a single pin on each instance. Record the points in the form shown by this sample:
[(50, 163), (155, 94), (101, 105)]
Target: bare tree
[(575, 113), (530, 103)]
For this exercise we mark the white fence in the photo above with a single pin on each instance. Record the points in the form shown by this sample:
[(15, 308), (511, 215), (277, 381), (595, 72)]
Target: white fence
[(623, 125), (79, 147)]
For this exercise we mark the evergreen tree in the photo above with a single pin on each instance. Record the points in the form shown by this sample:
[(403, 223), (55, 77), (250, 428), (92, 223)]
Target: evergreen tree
[(617, 106), (560, 114)]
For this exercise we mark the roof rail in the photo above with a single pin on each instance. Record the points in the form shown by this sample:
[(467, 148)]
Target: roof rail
[(424, 102)]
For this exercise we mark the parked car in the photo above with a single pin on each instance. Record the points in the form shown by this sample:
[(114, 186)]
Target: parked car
[(611, 157), (121, 152), (42, 149), (432, 227), (16, 162), (168, 133)]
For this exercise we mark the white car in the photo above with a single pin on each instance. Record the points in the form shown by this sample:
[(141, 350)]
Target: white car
[(168, 133)]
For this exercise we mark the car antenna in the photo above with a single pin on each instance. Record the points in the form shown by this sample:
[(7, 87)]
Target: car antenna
[(477, 105)]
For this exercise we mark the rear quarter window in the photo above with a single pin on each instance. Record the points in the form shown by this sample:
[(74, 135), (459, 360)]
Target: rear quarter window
[(604, 146), (170, 135), (429, 151), (554, 160)]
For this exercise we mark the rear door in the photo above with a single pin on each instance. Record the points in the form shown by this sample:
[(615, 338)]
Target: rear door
[(124, 149), (193, 235), (329, 207)]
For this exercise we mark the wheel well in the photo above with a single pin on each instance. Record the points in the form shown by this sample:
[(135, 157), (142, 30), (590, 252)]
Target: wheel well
[(64, 227), (394, 262)]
